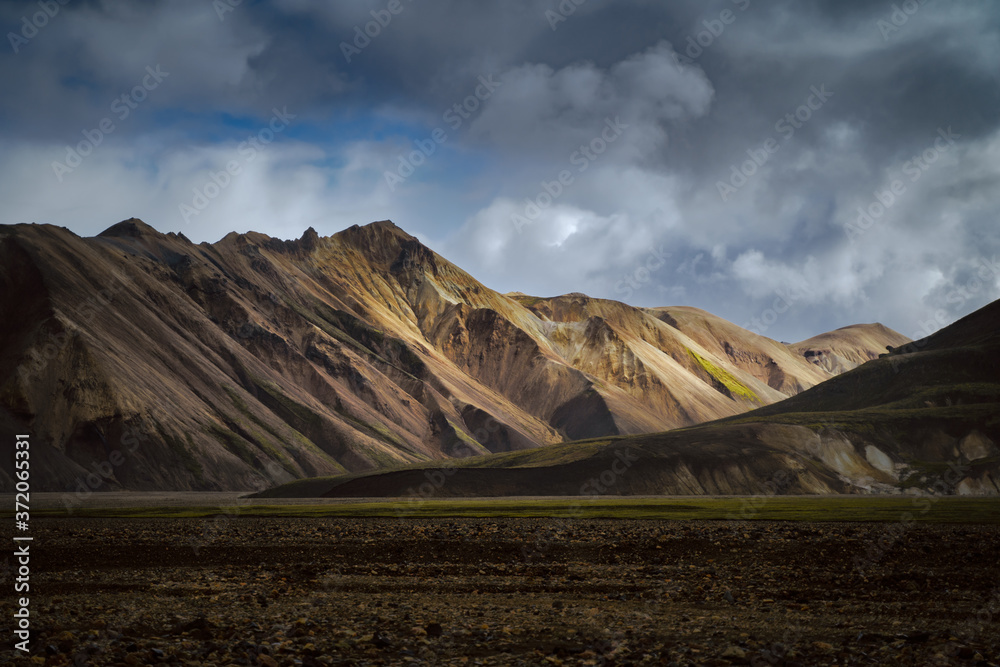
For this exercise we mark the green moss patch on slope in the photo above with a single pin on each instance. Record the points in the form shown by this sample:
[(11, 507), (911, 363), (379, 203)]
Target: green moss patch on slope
[(726, 379)]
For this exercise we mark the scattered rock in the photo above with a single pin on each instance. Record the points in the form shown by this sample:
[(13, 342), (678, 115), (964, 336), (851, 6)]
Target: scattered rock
[(734, 652), (650, 606)]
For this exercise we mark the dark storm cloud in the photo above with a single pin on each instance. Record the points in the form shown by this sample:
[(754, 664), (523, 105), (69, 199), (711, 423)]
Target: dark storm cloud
[(90, 54), (892, 91), (701, 87)]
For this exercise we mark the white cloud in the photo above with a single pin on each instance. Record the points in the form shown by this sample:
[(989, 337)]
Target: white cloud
[(281, 190)]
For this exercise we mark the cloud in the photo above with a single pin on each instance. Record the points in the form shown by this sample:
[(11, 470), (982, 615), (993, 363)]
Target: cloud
[(282, 189), (684, 127), (89, 54), (540, 109)]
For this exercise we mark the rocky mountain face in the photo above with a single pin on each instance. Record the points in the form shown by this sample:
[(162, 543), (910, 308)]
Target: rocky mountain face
[(923, 420), (141, 360), (847, 348)]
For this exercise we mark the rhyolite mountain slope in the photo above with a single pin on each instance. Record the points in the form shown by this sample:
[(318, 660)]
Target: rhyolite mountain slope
[(141, 360), (924, 418), (846, 348)]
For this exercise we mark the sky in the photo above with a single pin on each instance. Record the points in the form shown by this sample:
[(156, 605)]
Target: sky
[(793, 166)]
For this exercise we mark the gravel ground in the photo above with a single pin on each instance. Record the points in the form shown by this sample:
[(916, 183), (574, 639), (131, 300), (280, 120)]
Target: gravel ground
[(282, 591)]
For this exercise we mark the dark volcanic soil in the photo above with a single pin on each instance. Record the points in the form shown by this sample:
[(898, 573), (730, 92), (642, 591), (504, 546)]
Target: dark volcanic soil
[(510, 591)]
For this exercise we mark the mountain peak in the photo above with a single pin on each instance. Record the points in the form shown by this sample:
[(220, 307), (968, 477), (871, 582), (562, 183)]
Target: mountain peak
[(384, 224), (133, 227), (380, 229), (384, 242), (310, 239)]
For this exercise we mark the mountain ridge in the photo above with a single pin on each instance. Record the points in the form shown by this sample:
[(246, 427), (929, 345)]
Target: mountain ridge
[(923, 419), (252, 360)]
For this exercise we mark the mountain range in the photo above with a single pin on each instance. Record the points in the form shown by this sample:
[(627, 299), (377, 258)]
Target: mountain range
[(139, 360), (922, 419)]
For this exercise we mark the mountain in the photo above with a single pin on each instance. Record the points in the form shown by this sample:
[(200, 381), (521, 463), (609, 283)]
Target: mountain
[(141, 360), (846, 348), (923, 418)]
